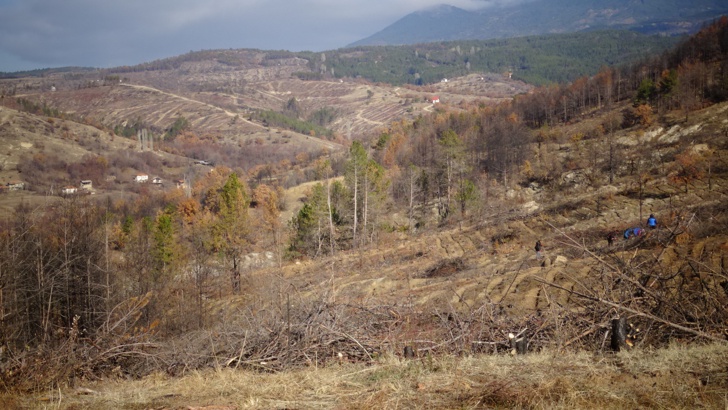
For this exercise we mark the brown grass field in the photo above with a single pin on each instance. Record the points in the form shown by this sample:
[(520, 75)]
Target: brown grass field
[(677, 377)]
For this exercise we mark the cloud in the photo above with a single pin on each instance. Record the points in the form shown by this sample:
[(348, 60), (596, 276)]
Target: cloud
[(106, 33)]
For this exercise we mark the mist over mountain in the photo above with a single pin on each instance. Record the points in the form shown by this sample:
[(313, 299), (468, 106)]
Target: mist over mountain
[(447, 23)]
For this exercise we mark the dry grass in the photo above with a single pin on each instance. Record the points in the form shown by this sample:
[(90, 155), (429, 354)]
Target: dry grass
[(676, 377)]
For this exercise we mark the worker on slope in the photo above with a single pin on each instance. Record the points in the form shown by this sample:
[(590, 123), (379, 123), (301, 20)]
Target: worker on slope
[(610, 238), (652, 222)]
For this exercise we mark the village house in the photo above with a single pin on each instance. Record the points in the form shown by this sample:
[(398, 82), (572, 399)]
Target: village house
[(141, 178), (434, 99), (87, 185), (16, 185), (69, 190), (157, 180)]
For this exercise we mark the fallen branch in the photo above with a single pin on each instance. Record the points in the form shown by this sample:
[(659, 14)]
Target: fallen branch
[(350, 338)]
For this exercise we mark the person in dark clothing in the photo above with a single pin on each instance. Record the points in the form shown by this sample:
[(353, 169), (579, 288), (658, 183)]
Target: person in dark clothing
[(652, 222), (538, 248), (610, 238)]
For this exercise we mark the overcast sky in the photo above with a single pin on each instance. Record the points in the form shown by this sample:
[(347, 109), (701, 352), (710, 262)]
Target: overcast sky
[(108, 33)]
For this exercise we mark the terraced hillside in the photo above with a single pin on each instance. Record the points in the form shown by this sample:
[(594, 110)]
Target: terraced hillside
[(217, 97)]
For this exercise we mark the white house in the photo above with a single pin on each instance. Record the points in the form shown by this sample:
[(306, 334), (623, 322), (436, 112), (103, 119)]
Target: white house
[(69, 190), (434, 99), (16, 185), (87, 184), (157, 180), (141, 178)]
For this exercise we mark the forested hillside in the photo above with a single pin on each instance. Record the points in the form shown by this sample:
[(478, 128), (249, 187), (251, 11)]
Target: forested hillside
[(536, 59), (416, 237)]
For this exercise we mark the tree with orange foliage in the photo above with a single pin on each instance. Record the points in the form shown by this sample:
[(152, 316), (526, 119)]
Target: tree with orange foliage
[(604, 86), (644, 114), (267, 199), (692, 79), (188, 210), (690, 167)]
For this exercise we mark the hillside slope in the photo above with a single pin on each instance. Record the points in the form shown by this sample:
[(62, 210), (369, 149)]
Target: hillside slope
[(492, 262), (462, 287)]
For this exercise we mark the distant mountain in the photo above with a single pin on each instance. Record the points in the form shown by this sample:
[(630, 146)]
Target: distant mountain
[(447, 23)]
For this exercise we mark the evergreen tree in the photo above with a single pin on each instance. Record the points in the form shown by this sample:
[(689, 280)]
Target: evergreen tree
[(308, 226), (231, 229)]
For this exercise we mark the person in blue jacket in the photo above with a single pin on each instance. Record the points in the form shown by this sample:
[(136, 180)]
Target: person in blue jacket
[(628, 233), (636, 232), (652, 222)]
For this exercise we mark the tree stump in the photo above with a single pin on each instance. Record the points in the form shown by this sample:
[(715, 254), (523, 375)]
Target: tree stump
[(409, 352), (619, 334), (519, 344)]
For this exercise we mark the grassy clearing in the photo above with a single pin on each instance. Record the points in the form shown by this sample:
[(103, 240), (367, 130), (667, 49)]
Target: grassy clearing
[(676, 377)]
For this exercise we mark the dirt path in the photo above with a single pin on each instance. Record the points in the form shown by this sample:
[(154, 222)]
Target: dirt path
[(329, 145)]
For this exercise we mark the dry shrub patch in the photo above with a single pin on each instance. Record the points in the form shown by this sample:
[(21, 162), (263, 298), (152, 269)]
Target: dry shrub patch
[(445, 268)]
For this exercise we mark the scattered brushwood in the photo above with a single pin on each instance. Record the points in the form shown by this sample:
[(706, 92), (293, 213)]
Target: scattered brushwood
[(319, 334), (272, 340), (681, 299)]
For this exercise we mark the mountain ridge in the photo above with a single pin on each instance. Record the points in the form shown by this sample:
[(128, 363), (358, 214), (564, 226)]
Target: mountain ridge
[(446, 23)]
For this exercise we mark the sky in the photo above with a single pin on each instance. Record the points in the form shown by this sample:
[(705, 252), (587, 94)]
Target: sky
[(109, 33)]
